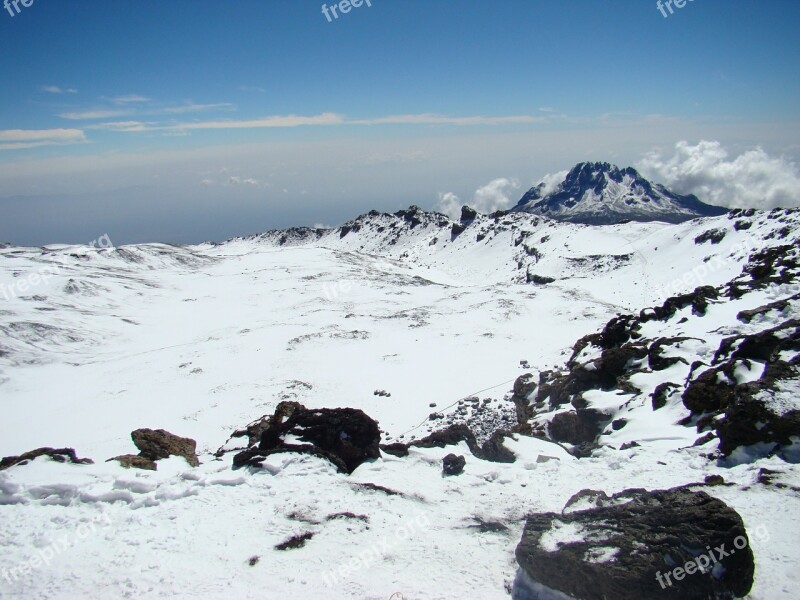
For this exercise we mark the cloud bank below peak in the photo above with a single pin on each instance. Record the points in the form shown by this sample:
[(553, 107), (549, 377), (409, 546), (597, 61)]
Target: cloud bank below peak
[(753, 179)]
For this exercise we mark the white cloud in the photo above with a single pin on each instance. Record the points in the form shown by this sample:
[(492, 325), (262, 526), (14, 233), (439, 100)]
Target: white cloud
[(54, 89), (551, 182), (129, 99), (273, 121), (17, 139), (125, 126), (752, 179), (236, 180), (487, 199), (494, 195), (191, 108), (138, 126), (450, 205), (90, 115), (278, 121), (433, 119)]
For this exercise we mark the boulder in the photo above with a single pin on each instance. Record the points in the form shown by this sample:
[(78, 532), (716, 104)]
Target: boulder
[(468, 214), (158, 444), (453, 465), (669, 544), (347, 437), (751, 419), (578, 426)]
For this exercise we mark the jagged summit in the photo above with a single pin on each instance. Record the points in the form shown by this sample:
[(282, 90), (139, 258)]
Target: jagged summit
[(599, 193)]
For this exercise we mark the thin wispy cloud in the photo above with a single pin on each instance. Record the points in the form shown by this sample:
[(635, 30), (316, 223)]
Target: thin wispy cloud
[(54, 89), (93, 115), (434, 119), (272, 121), (16, 139), (236, 180), (194, 108), (129, 99), (327, 119), (123, 126)]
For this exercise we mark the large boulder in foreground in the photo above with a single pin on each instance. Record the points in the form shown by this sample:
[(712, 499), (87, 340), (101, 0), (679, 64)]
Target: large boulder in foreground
[(671, 544), (347, 437), (157, 444)]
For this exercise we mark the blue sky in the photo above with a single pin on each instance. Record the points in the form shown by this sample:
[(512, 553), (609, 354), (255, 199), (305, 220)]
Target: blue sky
[(190, 120)]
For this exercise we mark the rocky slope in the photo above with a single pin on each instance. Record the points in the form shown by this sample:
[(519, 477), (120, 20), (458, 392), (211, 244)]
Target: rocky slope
[(394, 405)]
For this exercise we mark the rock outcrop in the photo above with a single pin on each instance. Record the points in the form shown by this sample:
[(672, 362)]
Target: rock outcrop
[(347, 437), (492, 449), (61, 455), (158, 444)]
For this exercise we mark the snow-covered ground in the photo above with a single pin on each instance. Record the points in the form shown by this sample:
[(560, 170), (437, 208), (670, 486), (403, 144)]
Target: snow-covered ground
[(202, 340)]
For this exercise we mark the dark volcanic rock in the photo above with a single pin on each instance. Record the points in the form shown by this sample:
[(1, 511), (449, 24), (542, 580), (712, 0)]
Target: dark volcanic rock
[(639, 544), (158, 444), (524, 386), (539, 279), (59, 455), (492, 449), (468, 214), (453, 465), (746, 316), (253, 431), (578, 427), (715, 236), (295, 542), (662, 393), (748, 420), (604, 373), (707, 394), (346, 437)]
